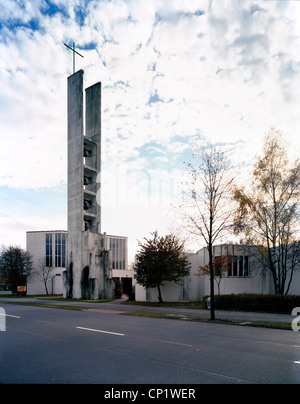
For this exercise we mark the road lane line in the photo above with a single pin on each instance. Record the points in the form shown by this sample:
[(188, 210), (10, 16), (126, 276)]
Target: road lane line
[(101, 331)]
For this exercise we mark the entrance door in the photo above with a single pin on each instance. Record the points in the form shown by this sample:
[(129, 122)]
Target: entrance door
[(127, 286)]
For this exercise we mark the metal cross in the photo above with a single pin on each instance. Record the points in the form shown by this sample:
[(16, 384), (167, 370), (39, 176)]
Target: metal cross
[(74, 51)]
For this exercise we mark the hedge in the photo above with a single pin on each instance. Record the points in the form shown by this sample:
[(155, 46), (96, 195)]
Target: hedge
[(260, 303)]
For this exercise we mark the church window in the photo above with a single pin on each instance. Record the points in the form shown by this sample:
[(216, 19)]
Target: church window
[(118, 251), (48, 249), (241, 268), (246, 266), (60, 249)]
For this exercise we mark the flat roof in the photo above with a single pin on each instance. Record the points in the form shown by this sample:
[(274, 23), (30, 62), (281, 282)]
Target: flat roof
[(47, 231)]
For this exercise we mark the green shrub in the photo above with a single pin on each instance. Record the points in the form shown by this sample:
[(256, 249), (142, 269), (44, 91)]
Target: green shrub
[(252, 302)]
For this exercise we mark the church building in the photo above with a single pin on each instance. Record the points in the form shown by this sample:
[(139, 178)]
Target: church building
[(88, 264)]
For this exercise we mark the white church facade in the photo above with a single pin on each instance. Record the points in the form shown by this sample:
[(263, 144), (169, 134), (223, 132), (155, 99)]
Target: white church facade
[(86, 263), (49, 248), (89, 264), (243, 276)]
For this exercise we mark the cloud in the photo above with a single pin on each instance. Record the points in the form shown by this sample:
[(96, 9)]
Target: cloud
[(24, 210), (171, 72), (157, 66)]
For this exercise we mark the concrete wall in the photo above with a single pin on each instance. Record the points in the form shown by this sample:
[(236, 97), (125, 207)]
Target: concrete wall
[(54, 285), (96, 278), (93, 132), (87, 259), (195, 287), (75, 182), (93, 135), (140, 293), (252, 284), (190, 289), (88, 272), (96, 258), (295, 285), (35, 245)]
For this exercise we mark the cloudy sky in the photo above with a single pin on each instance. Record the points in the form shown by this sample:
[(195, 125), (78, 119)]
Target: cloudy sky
[(172, 72)]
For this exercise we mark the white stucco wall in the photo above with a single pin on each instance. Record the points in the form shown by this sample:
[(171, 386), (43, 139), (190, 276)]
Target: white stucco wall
[(190, 289), (195, 287), (295, 285), (35, 245)]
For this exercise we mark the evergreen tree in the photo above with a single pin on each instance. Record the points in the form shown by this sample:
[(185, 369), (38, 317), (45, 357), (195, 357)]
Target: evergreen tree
[(15, 266)]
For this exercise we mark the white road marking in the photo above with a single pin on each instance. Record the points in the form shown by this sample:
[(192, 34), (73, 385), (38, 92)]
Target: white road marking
[(101, 331), (9, 315)]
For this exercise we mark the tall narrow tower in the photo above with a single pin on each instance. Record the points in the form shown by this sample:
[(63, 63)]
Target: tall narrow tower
[(85, 276)]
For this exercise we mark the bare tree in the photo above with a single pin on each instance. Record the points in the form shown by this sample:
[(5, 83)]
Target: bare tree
[(268, 211), (43, 272), (221, 267), (206, 207)]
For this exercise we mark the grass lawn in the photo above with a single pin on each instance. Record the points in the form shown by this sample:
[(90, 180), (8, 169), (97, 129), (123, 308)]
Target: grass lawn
[(183, 305)]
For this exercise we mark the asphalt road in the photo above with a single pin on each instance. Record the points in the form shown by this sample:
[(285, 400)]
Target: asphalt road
[(44, 345), (118, 306)]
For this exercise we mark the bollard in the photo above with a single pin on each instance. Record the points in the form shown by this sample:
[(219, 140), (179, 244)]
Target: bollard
[(208, 303)]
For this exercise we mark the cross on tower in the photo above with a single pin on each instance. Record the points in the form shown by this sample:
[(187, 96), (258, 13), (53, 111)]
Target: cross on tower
[(74, 51)]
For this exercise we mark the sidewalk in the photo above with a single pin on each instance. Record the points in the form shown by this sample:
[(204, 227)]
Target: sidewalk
[(118, 306), (219, 314)]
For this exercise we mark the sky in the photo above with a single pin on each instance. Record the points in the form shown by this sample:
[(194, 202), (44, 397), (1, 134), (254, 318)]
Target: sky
[(173, 72)]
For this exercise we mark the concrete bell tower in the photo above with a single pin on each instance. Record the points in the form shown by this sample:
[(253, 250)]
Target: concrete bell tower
[(87, 258)]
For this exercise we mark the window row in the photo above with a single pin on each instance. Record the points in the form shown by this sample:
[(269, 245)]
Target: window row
[(118, 252), (239, 266), (59, 253)]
